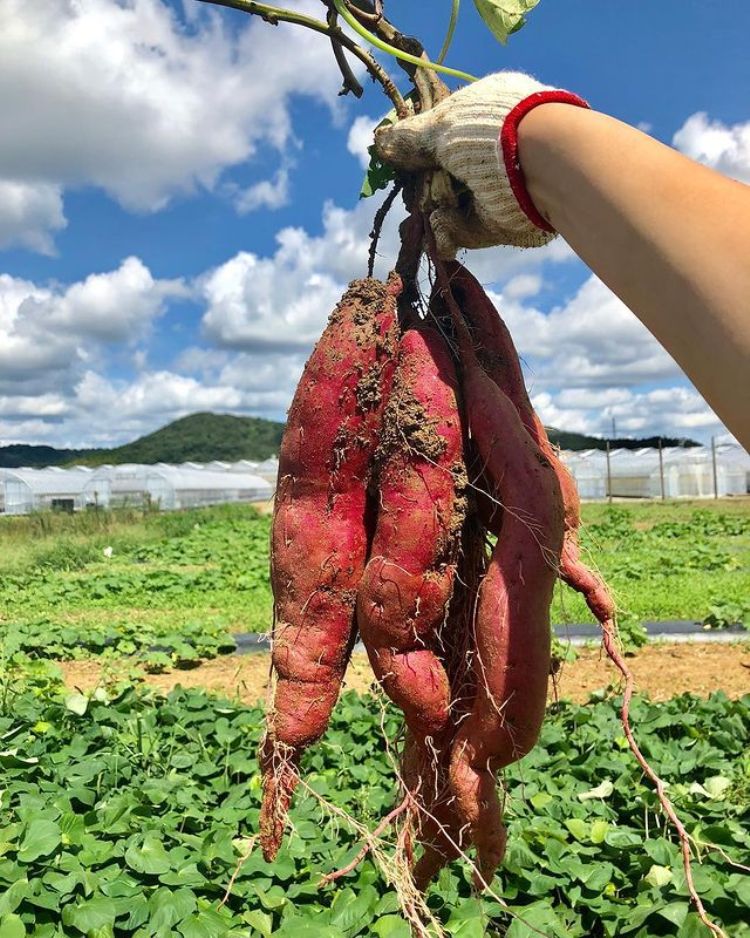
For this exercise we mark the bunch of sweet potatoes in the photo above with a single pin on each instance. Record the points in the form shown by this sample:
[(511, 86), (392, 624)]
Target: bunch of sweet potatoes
[(408, 441)]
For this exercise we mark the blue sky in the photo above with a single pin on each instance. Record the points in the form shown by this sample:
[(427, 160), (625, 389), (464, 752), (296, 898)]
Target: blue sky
[(179, 212)]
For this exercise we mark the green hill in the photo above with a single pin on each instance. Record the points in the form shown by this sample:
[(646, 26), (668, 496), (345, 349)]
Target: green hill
[(197, 438), (579, 441), (204, 437), (200, 438)]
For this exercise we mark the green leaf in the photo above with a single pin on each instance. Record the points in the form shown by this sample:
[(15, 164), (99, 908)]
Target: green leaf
[(77, 703), (599, 830), (717, 785), (262, 922), (578, 828), (96, 913), (42, 837), (168, 907), (504, 17), (675, 912), (14, 895), (693, 927), (350, 910), (391, 926), (150, 857), (11, 926), (378, 175)]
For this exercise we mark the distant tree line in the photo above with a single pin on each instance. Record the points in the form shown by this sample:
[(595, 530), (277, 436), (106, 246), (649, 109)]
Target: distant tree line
[(205, 437)]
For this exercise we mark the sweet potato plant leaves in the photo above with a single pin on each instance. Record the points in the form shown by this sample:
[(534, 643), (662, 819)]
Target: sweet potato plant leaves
[(504, 17), (130, 819)]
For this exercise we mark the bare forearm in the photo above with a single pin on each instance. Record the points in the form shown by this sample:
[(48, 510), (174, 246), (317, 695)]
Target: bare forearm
[(668, 236)]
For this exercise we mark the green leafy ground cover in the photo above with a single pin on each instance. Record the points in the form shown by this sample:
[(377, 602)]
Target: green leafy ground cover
[(127, 817), (185, 581)]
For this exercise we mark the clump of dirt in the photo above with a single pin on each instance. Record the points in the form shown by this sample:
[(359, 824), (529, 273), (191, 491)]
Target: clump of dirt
[(406, 422)]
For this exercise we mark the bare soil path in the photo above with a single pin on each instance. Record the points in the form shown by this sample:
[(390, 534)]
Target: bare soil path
[(662, 671)]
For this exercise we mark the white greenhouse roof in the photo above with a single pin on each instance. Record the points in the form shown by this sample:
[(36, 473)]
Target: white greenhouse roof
[(51, 481)]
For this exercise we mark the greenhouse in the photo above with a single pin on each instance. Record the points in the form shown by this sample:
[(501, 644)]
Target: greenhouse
[(25, 490), (674, 472), (269, 470), (171, 487)]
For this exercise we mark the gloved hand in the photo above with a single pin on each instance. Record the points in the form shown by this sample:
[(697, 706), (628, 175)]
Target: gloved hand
[(473, 135)]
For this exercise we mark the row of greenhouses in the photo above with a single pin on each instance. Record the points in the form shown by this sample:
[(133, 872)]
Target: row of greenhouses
[(673, 472), (162, 486)]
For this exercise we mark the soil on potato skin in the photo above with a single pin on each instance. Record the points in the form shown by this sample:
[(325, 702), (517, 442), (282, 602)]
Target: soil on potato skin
[(662, 671)]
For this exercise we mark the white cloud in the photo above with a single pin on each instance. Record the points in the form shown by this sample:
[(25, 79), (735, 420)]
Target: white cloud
[(48, 332), (591, 341), (724, 148), (672, 411), (268, 193), (361, 137), (587, 361), (122, 96), (29, 214), (283, 302), (522, 286)]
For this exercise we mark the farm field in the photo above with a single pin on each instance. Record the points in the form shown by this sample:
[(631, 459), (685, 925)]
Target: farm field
[(129, 792), (128, 814), (185, 581)]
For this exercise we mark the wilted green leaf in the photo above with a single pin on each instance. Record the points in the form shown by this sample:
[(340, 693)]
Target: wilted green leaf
[(658, 876), (601, 791), (77, 703), (504, 17), (717, 785)]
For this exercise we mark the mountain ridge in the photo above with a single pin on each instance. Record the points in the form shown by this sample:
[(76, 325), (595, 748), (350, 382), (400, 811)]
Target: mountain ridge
[(204, 436)]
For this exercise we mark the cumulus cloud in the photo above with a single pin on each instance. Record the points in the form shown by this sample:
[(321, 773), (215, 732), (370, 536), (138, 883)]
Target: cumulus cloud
[(587, 361), (722, 147), (360, 138), (671, 411), (591, 341), (47, 333), (282, 302), (29, 215), (268, 193), (126, 97)]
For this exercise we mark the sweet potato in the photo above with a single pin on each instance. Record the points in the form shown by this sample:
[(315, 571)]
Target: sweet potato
[(321, 529), (403, 597), (496, 351), (512, 623)]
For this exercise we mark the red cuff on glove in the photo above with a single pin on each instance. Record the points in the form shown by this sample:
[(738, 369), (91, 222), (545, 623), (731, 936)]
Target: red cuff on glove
[(509, 145)]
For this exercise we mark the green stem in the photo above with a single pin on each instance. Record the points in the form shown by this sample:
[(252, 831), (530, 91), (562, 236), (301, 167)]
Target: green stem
[(449, 35), (391, 50), (276, 15)]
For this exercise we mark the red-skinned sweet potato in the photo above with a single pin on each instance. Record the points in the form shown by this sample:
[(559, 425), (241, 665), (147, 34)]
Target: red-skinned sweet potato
[(321, 530), (497, 353), (404, 593), (512, 622)]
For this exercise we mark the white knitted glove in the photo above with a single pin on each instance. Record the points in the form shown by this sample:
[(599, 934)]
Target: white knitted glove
[(473, 135)]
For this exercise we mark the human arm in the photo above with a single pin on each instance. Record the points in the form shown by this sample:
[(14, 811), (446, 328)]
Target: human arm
[(670, 237)]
